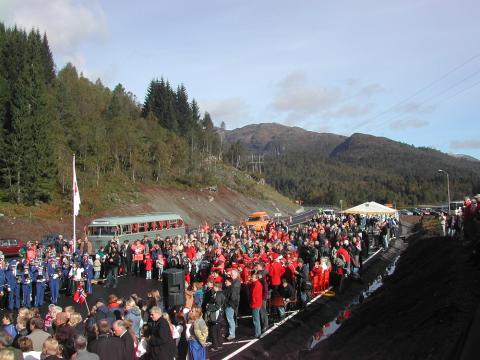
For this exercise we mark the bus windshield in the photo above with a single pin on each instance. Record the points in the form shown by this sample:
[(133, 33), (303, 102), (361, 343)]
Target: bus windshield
[(101, 230)]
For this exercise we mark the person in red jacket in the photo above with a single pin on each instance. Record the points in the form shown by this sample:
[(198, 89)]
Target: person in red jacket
[(276, 271), (256, 300), (148, 262)]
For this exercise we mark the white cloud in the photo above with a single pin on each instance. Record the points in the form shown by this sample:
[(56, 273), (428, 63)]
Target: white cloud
[(68, 23), (299, 100), (370, 90), (233, 111), (407, 123), (349, 111), (465, 144)]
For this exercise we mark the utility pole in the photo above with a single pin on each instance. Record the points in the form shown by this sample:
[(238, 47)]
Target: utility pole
[(257, 162)]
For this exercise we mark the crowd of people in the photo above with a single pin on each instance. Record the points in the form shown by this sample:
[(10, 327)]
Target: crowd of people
[(228, 271), (464, 224)]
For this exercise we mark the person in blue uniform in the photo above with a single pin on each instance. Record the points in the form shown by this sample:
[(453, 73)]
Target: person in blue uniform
[(27, 289), (67, 276), (54, 274), (11, 278), (3, 270), (40, 295), (88, 274), (34, 268), (18, 287)]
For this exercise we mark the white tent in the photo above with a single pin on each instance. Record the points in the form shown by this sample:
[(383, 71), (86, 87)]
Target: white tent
[(370, 208)]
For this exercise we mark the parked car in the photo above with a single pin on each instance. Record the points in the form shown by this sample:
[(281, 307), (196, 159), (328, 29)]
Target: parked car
[(406, 212), (417, 212), (11, 247), (258, 220)]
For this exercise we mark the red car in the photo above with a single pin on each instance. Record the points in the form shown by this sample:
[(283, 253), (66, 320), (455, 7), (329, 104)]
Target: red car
[(11, 247)]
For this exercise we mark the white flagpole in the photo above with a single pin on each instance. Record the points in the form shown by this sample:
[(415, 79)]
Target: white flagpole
[(74, 238)]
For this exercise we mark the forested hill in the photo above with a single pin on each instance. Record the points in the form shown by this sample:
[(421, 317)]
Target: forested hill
[(327, 168), (47, 115)]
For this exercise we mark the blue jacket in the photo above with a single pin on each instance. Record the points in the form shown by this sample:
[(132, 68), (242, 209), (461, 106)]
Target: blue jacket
[(89, 271)]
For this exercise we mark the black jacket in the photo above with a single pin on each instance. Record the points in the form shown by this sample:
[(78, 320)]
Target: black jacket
[(108, 347), (129, 345), (161, 344), (232, 296)]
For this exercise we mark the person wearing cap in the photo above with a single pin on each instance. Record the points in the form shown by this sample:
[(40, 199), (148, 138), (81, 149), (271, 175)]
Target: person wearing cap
[(40, 289), (3, 269), (27, 289), (89, 274), (12, 286), (54, 284), (20, 276)]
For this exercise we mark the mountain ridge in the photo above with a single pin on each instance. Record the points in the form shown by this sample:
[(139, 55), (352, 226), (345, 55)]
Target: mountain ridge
[(331, 165)]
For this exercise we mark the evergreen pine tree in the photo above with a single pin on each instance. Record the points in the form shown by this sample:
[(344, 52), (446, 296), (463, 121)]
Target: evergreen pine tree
[(47, 59), (29, 165)]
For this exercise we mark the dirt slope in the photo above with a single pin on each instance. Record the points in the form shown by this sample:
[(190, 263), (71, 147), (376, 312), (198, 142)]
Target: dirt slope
[(195, 206)]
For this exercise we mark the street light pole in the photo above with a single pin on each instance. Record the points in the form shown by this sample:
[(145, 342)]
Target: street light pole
[(448, 187)]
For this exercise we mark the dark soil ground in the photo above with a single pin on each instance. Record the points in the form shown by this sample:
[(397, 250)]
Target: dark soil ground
[(423, 311)]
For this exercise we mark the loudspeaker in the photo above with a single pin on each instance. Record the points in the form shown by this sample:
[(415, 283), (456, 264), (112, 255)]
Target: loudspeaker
[(174, 288)]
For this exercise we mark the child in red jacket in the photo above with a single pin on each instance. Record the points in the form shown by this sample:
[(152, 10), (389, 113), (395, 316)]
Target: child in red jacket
[(148, 262)]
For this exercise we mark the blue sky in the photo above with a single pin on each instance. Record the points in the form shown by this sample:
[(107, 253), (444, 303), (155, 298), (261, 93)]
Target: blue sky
[(407, 70)]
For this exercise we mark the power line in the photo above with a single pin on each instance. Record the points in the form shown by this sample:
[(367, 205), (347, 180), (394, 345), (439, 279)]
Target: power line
[(439, 94), (426, 87), (445, 99)]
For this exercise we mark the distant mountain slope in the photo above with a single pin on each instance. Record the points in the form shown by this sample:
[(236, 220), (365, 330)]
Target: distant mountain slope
[(277, 139), (326, 168)]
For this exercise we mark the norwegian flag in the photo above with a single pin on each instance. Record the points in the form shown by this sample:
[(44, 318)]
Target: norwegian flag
[(76, 193), (80, 295)]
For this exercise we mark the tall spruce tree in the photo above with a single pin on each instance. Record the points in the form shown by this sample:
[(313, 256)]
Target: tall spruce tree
[(28, 170), (160, 102), (47, 60)]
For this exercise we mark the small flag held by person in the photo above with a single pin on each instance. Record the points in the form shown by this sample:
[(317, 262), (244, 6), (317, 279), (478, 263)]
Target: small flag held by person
[(80, 295)]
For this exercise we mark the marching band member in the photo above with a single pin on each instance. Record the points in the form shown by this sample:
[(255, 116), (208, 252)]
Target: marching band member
[(54, 274), (11, 277), (88, 274), (18, 287), (27, 288), (40, 289), (3, 270)]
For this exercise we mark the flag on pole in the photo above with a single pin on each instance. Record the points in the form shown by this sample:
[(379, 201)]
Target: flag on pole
[(76, 194)]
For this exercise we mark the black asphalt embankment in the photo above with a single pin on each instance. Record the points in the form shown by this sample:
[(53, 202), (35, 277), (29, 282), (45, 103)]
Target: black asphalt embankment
[(423, 311)]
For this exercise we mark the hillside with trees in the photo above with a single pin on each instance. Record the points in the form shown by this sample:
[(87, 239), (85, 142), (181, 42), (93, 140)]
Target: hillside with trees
[(46, 116), (321, 168)]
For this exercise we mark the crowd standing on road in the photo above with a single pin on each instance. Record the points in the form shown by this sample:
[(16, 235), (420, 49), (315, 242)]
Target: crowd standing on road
[(464, 225), (228, 271)]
